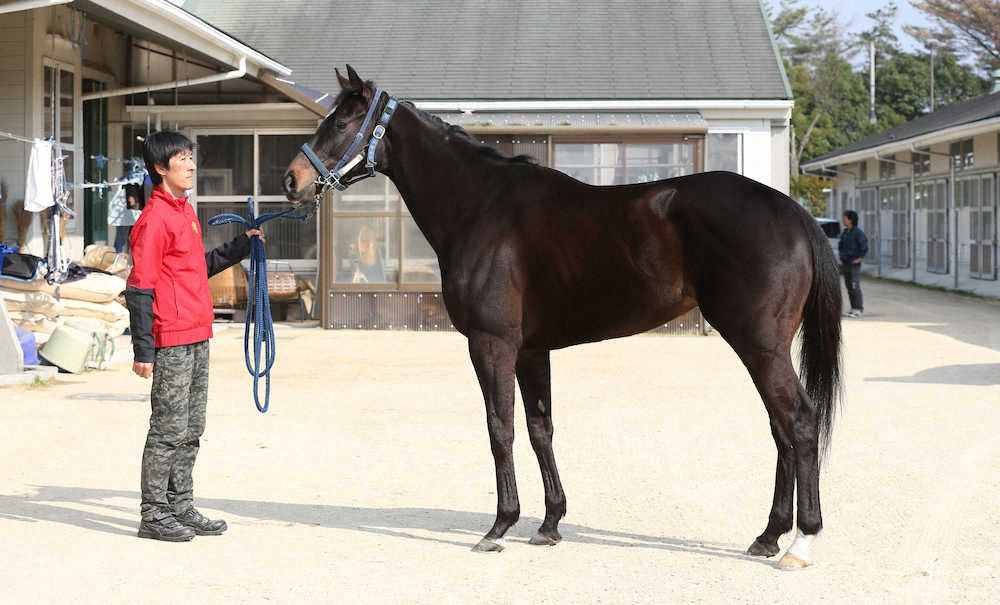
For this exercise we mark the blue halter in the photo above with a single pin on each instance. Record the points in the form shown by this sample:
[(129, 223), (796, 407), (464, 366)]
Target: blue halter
[(335, 178)]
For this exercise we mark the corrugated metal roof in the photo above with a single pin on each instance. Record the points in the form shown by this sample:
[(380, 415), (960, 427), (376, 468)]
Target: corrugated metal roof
[(681, 121), (519, 49), (956, 114)]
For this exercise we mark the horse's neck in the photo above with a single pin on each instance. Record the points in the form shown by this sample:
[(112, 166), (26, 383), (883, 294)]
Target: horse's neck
[(434, 177)]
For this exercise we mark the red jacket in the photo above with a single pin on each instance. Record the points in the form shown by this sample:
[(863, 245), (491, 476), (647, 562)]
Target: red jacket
[(169, 279)]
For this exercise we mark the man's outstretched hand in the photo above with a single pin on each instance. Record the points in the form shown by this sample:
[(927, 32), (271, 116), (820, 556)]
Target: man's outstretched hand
[(256, 232)]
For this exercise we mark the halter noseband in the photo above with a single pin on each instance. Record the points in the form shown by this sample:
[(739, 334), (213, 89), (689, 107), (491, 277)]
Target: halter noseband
[(335, 178)]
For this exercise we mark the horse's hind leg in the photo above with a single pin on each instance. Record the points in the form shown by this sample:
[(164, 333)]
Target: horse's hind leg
[(494, 359), (534, 378), (796, 434)]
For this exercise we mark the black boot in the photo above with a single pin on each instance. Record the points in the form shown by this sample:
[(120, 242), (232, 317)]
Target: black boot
[(201, 525), (166, 528)]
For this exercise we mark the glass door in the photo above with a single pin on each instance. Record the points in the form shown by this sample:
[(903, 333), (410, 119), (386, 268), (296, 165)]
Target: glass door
[(95, 143)]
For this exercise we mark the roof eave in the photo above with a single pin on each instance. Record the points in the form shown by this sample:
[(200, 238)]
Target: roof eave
[(187, 29), (923, 140), (777, 52), (473, 105)]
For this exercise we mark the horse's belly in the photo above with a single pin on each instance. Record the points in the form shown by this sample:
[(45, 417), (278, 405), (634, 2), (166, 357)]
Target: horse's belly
[(598, 316)]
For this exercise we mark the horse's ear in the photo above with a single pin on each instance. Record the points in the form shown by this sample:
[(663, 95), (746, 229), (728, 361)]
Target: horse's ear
[(344, 82), (358, 84)]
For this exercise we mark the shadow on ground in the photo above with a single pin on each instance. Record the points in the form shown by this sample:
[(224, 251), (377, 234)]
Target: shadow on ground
[(972, 374), (970, 320), (460, 528)]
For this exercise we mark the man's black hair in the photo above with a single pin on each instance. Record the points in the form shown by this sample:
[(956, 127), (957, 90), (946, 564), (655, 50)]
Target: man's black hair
[(852, 216), (160, 147)]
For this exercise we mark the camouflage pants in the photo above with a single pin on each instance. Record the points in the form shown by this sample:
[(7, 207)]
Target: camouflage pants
[(178, 397)]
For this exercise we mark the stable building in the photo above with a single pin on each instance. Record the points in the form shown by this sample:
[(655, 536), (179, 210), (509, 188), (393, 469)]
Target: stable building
[(926, 196), (75, 73), (609, 96)]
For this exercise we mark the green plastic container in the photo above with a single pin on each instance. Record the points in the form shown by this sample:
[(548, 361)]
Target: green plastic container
[(68, 349)]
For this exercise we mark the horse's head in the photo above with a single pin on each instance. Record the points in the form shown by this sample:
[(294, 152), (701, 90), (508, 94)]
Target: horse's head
[(333, 137)]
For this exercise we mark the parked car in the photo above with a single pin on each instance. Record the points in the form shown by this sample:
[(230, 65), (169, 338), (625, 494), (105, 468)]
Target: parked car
[(831, 227)]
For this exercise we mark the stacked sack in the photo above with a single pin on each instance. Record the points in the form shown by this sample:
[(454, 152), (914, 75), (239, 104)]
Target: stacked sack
[(94, 297), (32, 305), (39, 306), (106, 259)]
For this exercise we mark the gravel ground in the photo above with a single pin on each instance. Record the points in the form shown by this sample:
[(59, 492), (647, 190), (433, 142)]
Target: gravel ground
[(371, 477)]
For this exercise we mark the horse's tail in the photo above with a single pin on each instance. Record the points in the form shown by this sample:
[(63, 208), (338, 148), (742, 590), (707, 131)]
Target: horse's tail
[(820, 360)]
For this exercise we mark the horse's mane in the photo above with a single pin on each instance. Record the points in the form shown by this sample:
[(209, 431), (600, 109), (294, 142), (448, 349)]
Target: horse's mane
[(452, 129), (463, 135)]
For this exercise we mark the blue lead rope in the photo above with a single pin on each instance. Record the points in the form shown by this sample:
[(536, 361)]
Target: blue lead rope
[(258, 303)]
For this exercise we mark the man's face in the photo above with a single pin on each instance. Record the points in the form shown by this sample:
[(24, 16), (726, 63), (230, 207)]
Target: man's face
[(179, 175), (846, 222)]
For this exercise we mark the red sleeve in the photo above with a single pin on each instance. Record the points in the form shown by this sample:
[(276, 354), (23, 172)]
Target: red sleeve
[(149, 244)]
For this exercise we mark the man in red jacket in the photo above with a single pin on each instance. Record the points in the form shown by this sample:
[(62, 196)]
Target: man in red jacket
[(171, 321)]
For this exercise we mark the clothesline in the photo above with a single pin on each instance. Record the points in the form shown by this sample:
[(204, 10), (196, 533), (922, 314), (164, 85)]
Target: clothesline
[(102, 161), (15, 137), (105, 158)]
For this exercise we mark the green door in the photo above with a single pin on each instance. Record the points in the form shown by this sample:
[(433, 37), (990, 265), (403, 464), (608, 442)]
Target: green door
[(95, 143)]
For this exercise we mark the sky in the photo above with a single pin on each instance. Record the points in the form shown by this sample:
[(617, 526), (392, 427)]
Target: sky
[(852, 16)]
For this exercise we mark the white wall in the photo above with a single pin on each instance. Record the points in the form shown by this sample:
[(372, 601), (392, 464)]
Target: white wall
[(765, 153), (13, 154)]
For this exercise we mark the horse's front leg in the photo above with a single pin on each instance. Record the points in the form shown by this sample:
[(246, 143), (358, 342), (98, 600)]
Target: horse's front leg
[(534, 376), (494, 359)]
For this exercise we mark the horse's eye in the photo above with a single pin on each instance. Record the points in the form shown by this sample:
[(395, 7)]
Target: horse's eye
[(341, 124)]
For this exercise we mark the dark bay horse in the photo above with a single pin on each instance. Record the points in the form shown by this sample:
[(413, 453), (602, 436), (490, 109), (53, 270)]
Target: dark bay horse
[(532, 260)]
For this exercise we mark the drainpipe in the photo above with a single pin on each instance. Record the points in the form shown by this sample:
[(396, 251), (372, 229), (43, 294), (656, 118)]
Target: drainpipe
[(954, 210), (229, 75), (913, 219)]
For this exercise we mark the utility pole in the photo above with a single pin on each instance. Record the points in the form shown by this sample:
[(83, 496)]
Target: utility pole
[(871, 81), (932, 78)]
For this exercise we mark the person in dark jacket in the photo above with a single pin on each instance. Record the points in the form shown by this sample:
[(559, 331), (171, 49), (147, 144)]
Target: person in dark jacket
[(171, 321), (853, 247)]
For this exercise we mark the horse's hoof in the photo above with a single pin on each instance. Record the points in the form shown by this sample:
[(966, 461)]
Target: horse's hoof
[(790, 563), (487, 545), (760, 549), (540, 539), (799, 554)]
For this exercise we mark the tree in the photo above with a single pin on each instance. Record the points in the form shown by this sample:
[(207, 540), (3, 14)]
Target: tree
[(970, 26), (815, 51), (811, 192), (902, 85), (831, 97)]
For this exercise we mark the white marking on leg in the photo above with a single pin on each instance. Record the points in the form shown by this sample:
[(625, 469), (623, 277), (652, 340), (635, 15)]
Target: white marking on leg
[(801, 545)]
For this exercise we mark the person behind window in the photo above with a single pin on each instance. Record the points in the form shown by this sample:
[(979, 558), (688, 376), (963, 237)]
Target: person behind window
[(123, 211), (369, 267), (853, 247)]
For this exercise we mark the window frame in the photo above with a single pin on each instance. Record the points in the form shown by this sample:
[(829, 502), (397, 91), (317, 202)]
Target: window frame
[(76, 145), (963, 154), (740, 146), (697, 140), (297, 264)]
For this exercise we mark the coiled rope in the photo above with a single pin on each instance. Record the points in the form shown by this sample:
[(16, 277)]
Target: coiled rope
[(258, 302)]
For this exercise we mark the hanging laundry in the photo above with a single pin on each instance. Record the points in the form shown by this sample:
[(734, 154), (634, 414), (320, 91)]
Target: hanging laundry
[(38, 194), (119, 212)]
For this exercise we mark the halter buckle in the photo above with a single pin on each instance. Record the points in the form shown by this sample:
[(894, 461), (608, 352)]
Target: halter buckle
[(378, 133)]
